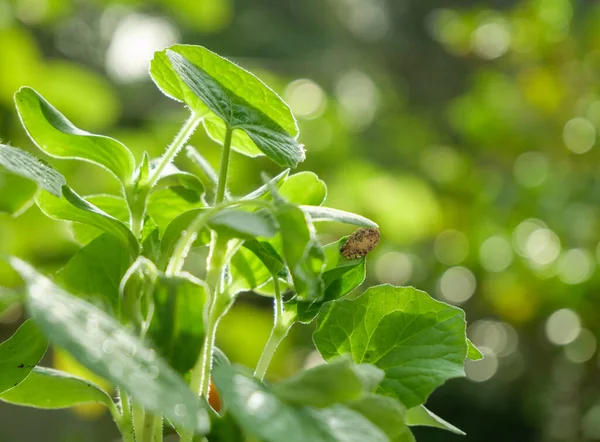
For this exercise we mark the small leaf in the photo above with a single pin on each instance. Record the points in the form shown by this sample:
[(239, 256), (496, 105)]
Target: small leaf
[(181, 179), (95, 272), (74, 208), (421, 416), (419, 342), (473, 353), (166, 205), (27, 166), (339, 381), (264, 189), (318, 214), (238, 223), (174, 231), (102, 345), (263, 415), (237, 100), (267, 254), (52, 389), (177, 327), (58, 137), (115, 206), (20, 353), (253, 265), (304, 188), (387, 413)]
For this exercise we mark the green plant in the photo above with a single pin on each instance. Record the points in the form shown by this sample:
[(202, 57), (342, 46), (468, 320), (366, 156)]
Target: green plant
[(123, 307)]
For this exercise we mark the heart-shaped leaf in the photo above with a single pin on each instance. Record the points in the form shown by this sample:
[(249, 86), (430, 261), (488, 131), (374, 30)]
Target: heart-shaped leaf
[(58, 137), (226, 95), (419, 342), (20, 353), (105, 347), (52, 389)]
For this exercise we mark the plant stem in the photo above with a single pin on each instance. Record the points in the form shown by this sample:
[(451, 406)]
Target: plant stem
[(158, 428), (281, 327), (149, 422), (224, 166), (138, 421), (125, 425), (178, 142)]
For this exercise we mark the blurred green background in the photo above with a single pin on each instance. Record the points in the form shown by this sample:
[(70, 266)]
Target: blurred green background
[(468, 130)]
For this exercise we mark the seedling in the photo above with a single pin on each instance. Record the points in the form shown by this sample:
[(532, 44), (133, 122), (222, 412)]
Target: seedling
[(124, 308)]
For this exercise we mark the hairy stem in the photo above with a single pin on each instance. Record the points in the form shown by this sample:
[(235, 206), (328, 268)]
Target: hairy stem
[(281, 327), (149, 422), (158, 429), (224, 167), (176, 145)]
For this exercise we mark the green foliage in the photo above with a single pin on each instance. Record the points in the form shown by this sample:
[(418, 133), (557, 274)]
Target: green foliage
[(123, 307)]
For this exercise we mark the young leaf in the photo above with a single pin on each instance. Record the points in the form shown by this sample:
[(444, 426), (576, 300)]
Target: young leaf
[(165, 205), (264, 189), (247, 271), (19, 354), (58, 137), (177, 327), (74, 208), (102, 345), (27, 166), (8, 299), (115, 206), (95, 271), (421, 416), (419, 342), (318, 214), (263, 415), (174, 231), (52, 389), (337, 382), (473, 353), (227, 95), (387, 413), (207, 172), (301, 251), (181, 179), (238, 223), (340, 276), (304, 188), (16, 193)]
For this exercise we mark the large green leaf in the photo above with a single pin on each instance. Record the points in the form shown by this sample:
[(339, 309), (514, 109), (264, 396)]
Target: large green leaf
[(96, 270), (74, 208), (421, 416), (20, 353), (51, 389), (105, 347), (21, 174), (338, 382), (177, 327), (387, 413), (340, 276), (419, 342), (115, 206), (265, 416), (301, 250), (58, 137), (227, 95)]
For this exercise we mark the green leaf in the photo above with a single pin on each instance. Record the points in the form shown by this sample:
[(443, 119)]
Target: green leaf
[(74, 208), (8, 299), (387, 413), (473, 353), (301, 250), (248, 271), (58, 137), (421, 416), (265, 416), (102, 345), (227, 95), (182, 179), (24, 164), (318, 214), (341, 276), (115, 206), (177, 328), (166, 205), (211, 179), (337, 382), (95, 272), (419, 342), (20, 353), (238, 223), (304, 188), (52, 389), (174, 231), (20, 175)]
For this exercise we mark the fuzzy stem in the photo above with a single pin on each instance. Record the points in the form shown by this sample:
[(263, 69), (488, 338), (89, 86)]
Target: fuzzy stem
[(224, 167)]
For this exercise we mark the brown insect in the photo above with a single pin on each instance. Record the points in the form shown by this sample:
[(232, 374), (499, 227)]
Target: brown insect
[(360, 243)]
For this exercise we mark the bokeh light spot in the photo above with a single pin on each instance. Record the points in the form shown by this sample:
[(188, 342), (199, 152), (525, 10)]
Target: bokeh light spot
[(563, 327), (451, 247), (495, 254), (484, 369), (491, 40), (394, 268), (531, 169), (579, 135), (575, 266), (582, 348), (457, 285), (305, 98)]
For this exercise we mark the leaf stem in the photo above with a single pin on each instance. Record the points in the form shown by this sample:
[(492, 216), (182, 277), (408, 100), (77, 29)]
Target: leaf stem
[(125, 423), (149, 422), (158, 428), (178, 142), (281, 327), (224, 166)]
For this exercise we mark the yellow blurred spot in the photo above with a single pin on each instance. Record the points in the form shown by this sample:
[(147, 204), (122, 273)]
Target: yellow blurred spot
[(209, 16), (511, 301), (542, 89), (65, 362)]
